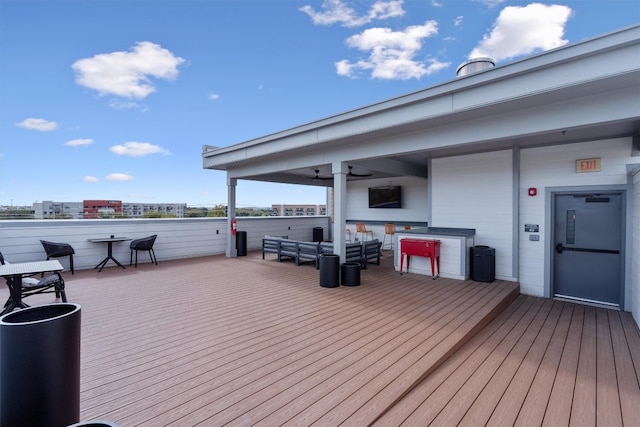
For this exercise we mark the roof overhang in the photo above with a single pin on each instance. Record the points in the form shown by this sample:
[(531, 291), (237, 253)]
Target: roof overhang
[(581, 92)]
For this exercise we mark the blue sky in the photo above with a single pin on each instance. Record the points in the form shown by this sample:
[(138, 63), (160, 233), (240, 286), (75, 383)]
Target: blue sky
[(114, 99)]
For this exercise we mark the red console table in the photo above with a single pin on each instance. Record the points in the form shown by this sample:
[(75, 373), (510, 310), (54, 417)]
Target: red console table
[(419, 247)]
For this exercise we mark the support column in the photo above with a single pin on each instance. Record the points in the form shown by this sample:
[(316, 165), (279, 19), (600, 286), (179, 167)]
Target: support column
[(231, 250), (339, 170)]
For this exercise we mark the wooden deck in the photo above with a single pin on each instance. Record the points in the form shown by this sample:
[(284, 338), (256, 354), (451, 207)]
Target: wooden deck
[(216, 341)]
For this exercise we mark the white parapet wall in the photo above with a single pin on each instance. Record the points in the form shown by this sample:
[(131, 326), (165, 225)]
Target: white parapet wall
[(177, 237)]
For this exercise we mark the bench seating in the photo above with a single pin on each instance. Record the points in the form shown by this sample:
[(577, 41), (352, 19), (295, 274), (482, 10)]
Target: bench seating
[(361, 252), (271, 244), (300, 251)]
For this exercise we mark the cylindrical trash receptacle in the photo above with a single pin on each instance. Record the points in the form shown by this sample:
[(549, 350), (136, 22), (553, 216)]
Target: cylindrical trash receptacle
[(350, 274), (329, 270), (482, 263), (40, 366), (318, 234), (241, 243), (95, 423)]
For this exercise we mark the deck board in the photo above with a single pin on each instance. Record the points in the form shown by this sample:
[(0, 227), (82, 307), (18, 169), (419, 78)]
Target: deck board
[(583, 410), (218, 341), (480, 385), (629, 389), (508, 409), (537, 399), (423, 403), (485, 403), (558, 411), (608, 403)]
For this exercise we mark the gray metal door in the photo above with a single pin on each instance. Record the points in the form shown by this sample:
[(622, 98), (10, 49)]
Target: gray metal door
[(588, 247)]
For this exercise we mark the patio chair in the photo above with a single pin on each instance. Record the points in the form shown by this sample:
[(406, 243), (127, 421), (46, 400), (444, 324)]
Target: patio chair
[(389, 230), (58, 250), (362, 230), (143, 244), (52, 283)]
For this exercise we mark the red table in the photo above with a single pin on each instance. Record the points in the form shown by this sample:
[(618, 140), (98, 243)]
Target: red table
[(420, 247)]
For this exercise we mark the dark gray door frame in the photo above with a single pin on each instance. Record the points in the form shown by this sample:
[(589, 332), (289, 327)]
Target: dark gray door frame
[(549, 239)]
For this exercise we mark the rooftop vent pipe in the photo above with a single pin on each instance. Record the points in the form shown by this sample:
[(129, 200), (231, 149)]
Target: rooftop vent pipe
[(474, 65)]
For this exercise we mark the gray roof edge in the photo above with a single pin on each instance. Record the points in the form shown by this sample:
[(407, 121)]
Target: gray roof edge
[(571, 52)]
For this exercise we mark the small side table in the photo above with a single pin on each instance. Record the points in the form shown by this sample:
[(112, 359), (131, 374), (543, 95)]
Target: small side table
[(109, 241)]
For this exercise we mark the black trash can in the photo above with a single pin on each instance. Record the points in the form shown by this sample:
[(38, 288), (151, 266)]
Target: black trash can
[(329, 270), (241, 243), (95, 423), (350, 274), (482, 263), (318, 234), (40, 366)]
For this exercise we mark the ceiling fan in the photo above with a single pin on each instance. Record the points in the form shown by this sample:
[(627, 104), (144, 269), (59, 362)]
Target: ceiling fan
[(321, 178), (357, 174)]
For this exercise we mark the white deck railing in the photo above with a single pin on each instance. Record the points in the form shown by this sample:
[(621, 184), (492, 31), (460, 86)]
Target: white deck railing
[(177, 238)]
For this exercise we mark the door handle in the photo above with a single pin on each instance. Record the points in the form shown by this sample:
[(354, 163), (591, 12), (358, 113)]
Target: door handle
[(560, 248)]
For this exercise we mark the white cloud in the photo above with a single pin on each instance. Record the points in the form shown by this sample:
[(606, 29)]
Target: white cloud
[(79, 142), (90, 178), (119, 104), (41, 125), (214, 96), (458, 21), (491, 3), (392, 54), (137, 149), (127, 74), (524, 30), (336, 11), (119, 177)]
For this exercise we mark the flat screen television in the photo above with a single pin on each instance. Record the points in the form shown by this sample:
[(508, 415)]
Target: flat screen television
[(385, 197)]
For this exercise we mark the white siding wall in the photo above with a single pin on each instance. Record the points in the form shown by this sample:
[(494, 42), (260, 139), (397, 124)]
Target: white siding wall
[(555, 166), (414, 203), (476, 191), (635, 256), (177, 238)]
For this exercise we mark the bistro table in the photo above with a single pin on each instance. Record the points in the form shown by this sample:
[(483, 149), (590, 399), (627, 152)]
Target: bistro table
[(109, 241), (17, 271)]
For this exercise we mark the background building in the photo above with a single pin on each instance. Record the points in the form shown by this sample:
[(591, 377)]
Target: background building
[(136, 210), (48, 209), (298, 210), (101, 208)]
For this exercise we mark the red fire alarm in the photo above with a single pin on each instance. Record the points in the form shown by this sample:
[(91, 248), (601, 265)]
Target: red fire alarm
[(532, 191)]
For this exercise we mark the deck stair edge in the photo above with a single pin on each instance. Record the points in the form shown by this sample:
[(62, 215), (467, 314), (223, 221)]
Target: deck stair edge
[(508, 296)]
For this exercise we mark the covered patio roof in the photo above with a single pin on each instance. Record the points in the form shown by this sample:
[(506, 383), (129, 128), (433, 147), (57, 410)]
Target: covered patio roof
[(555, 97)]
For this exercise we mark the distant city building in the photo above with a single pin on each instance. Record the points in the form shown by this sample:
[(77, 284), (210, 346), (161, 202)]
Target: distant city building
[(136, 210), (101, 208), (48, 209), (298, 210)]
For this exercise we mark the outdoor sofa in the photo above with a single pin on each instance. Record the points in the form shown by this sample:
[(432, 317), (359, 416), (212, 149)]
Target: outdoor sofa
[(302, 251)]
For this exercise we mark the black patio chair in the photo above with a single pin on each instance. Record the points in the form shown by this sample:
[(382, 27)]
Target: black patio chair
[(52, 283), (143, 244), (58, 250)]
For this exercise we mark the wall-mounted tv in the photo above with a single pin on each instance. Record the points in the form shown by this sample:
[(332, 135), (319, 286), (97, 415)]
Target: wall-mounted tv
[(385, 197)]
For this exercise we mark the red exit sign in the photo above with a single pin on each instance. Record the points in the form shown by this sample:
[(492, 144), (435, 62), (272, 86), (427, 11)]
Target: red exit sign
[(588, 165)]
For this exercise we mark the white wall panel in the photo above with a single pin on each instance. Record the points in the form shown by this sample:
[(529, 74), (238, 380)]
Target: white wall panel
[(555, 166), (475, 191), (177, 238), (635, 256)]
